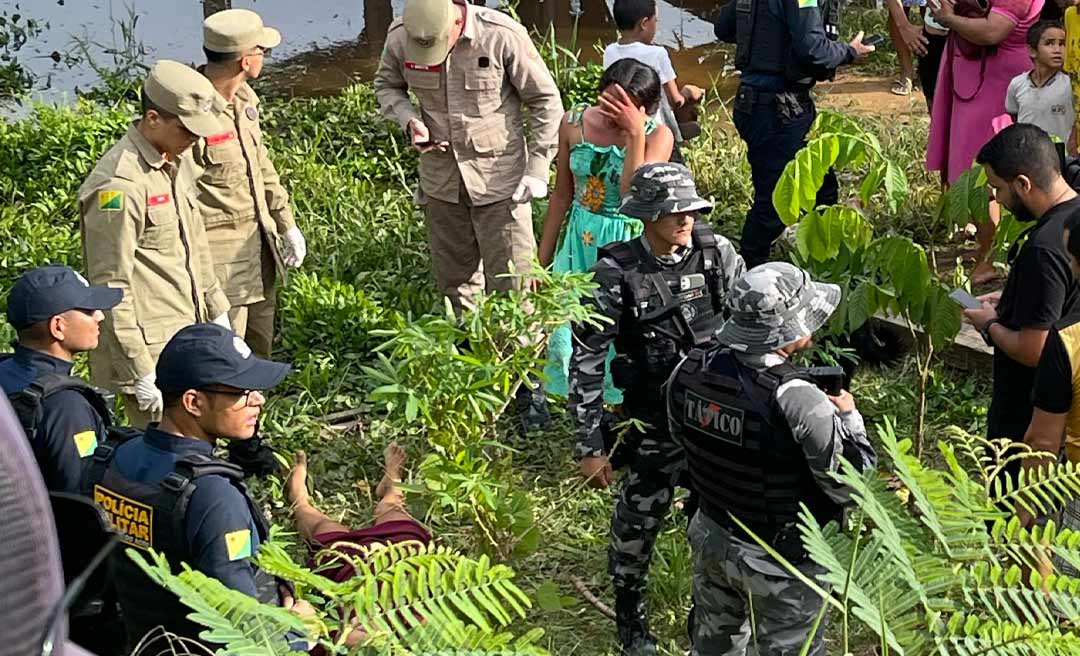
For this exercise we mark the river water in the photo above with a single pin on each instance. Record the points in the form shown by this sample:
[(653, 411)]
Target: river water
[(327, 44)]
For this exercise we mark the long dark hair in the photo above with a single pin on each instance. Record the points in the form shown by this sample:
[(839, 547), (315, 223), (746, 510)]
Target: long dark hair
[(636, 79)]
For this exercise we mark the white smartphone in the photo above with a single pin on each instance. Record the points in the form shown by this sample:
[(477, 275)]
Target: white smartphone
[(965, 300)]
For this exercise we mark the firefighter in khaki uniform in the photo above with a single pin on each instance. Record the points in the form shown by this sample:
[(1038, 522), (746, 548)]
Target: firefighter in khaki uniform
[(244, 206), (473, 70), (142, 233)]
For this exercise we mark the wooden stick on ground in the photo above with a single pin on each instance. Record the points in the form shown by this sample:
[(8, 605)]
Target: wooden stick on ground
[(584, 591)]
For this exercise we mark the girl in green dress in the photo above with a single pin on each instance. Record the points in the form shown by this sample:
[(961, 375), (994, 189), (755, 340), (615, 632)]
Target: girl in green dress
[(600, 147)]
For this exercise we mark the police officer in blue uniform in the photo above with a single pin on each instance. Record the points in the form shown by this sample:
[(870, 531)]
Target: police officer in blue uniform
[(167, 490), (782, 48), (56, 313)]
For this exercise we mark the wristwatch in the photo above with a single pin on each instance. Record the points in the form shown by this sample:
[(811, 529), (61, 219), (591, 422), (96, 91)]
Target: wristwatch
[(985, 332)]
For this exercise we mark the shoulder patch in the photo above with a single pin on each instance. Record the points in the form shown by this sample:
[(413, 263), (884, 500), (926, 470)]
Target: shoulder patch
[(238, 544), (111, 201), (85, 443), (807, 4)]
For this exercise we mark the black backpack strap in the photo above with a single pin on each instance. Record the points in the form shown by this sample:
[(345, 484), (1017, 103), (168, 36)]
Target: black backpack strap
[(626, 254), (99, 465), (712, 263), (194, 466), (28, 402), (629, 255)]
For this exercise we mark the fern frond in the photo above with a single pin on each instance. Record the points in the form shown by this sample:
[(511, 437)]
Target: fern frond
[(241, 623)]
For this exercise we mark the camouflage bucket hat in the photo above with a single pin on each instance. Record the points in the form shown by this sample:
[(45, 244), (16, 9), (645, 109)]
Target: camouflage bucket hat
[(773, 305), (661, 188)]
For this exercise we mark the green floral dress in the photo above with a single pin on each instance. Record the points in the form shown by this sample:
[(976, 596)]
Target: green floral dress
[(593, 221)]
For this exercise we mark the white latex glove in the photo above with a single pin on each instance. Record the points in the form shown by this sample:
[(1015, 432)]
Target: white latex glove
[(295, 247), (529, 188), (223, 321), (148, 395)]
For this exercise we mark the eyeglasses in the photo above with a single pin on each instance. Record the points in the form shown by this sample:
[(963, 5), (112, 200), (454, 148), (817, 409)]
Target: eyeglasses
[(243, 397), (261, 52)]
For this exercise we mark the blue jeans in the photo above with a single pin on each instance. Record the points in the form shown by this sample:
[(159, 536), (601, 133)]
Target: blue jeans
[(774, 127)]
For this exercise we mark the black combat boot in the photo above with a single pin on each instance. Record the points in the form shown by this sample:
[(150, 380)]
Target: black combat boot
[(531, 405), (633, 624)]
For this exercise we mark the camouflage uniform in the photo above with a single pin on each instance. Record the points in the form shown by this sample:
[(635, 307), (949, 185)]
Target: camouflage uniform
[(656, 463), (772, 306)]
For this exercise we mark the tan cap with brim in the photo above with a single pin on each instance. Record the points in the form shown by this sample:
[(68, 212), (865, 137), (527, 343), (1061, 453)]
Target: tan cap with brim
[(181, 90), (237, 30), (428, 24)]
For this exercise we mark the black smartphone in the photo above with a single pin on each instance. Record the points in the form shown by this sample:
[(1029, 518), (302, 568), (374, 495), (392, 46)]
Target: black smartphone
[(873, 40)]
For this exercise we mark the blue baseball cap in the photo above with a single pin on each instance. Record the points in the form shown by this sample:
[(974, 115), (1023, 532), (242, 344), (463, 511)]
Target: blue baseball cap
[(44, 292), (207, 354)]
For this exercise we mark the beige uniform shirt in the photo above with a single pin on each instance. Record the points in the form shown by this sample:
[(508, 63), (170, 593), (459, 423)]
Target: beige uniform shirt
[(142, 233), (474, 100), (244, 205)]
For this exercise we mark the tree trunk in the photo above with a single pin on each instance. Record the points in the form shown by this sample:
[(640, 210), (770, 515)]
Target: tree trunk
[(214, 6)]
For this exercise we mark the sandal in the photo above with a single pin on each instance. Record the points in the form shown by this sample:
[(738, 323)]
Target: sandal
[(902, 86)]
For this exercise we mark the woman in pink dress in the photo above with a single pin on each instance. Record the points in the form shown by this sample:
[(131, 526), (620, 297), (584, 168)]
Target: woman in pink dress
[(971, 91), (981, 57)]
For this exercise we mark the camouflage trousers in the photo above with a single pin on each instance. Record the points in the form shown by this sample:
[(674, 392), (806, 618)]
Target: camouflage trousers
[(734, 582), (648, 487)]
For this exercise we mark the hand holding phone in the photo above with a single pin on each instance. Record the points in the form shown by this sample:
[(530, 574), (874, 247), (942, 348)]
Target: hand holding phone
[(965, 300)]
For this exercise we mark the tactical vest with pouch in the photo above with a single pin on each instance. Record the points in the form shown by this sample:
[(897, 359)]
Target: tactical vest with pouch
[(667, 310), (153, 516), (763, 43), (740, 451)]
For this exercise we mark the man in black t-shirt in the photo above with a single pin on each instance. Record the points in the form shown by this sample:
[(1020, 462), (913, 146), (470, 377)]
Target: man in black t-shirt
[(1055, 422), (1023, 169)]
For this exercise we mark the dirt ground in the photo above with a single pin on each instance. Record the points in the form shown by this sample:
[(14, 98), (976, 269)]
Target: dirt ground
[(870, 95)]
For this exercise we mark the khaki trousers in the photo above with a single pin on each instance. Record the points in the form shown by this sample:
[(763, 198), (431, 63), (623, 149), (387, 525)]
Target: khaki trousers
[(254, 322), (472, 246)]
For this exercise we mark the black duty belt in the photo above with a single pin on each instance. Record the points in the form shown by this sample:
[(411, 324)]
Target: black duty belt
[(756, 96)]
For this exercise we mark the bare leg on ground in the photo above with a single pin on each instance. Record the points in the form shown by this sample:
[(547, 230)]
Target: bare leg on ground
[(391, 505), (309, 520)]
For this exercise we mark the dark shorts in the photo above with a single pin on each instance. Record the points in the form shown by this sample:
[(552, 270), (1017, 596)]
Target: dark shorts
[(386, 533)]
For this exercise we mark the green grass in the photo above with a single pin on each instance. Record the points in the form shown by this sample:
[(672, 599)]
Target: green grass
[(350, 177)]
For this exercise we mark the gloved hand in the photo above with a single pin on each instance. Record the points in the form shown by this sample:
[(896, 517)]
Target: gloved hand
[(223, 321), (148, 395), (295, 247), (256, 458), (529, 188)]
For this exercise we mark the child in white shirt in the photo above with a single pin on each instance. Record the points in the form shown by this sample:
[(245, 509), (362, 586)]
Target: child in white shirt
[(1043, 96), (637, 22)]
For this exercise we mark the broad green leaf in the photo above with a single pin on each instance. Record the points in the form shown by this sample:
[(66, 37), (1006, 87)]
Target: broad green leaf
[(548, 597), (785, 197), (896, 185), (859, 309)]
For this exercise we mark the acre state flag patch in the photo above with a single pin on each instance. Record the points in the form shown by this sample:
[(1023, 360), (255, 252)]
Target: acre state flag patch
[(807, 4), (110, 201), (238, 544), (85, 443)]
